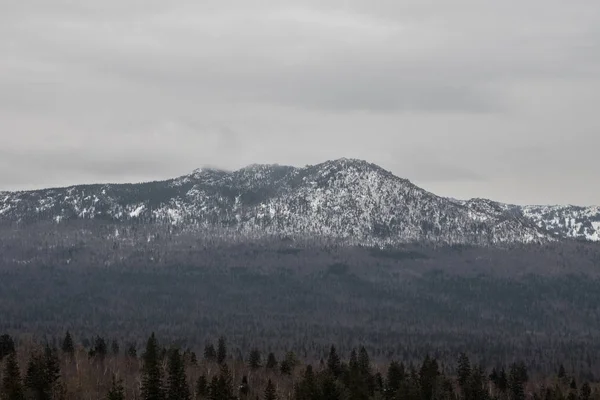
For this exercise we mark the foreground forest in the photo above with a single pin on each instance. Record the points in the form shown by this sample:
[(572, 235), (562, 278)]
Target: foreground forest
[(108, 370), (539, 302)]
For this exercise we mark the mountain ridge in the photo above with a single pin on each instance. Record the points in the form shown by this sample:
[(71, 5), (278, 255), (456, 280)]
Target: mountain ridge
[(348, 199)]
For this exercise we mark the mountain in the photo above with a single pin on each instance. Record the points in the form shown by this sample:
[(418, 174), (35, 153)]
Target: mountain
[(347, 199)]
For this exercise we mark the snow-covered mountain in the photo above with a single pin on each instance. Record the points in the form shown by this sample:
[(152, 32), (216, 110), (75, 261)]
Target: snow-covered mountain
[(344, 199)]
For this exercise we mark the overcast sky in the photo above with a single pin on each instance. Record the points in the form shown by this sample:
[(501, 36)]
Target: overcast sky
[(467, 98)]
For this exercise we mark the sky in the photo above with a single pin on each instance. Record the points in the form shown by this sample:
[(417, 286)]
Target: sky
[(466, 98)]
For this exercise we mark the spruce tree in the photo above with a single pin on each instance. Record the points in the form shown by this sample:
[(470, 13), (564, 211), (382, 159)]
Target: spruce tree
[(210, 354), (586, 391), (152, 382), (270, 391), (334, 364), (364, 363), (221, 350), (116, 391), (254, 359), (12, 386), (517, 379), (476, 385), (244, 387), (395, 376), (43, 374), (271, 361), (68, 346), (202, 387), (177, 386), (132, 351), (7, 346), (464, 372)]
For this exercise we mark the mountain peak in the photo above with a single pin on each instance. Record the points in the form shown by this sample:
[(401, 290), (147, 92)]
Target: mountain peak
[(345, 199)]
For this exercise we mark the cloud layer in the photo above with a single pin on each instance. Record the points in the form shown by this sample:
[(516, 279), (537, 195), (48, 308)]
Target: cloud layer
[(467, 98)]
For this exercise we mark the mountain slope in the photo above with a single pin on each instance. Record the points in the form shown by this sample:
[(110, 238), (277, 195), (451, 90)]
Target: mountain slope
[(344, 199)]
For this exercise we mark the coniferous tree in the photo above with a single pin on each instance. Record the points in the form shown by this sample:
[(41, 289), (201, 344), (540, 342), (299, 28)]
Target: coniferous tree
[(214, 389), (476, 385), (586, 391), (270, 391), (221, 350), (7, 346), (271, 361), (210, 354), (244, 387), (395, 377), (561, 372), (221, 387), (428, 376), (334, 364), (254, 359), (202, 387), (517, 379), (177, 386), (152, 381), (12, 386), (132, 351), (68, 346), (43, 374), (464, 372), (329, 388), (193, 358), (364, 363), (116, 391), (115, 348)]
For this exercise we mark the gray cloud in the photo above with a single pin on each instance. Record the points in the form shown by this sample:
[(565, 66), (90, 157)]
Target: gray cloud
[(468, 98)]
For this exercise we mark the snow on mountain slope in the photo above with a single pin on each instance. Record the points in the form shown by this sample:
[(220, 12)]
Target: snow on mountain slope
[(567, 221), (345, 199)]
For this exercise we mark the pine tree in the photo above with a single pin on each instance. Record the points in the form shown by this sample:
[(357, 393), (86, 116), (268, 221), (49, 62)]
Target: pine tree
[(12, 386), (152, 383), (270, 391), (68, 346), (117, 391), (115, 347), (254, 359), (334, 364), (177, 386), (221, 350)]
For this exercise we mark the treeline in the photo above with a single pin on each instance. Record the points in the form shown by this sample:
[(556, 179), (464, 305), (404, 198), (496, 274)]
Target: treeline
[(106, 371)]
